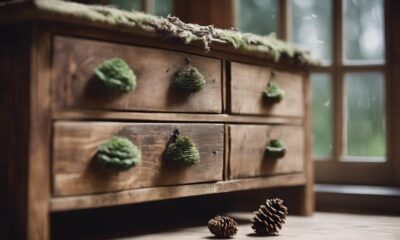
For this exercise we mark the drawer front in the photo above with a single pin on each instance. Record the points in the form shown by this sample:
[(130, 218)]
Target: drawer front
[(76, 143), (249, 82), (248, 157), (74, 84)]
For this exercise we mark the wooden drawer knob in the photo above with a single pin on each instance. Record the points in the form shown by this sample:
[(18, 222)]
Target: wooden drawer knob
[(190, 80), (275, 149), (116, 74), (273, 93), (118, 153), (181, 151)]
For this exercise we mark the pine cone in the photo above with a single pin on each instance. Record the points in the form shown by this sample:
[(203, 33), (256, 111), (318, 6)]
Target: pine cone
[(181, 151), (273, 93), (190, 80), (222, 227), (269, 218)]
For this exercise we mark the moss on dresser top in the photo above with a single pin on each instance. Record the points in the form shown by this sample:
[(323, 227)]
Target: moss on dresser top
[(269, 46)]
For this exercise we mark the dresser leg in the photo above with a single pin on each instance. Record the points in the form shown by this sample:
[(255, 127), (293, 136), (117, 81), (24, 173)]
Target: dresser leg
[(307, 206), (307, 200)]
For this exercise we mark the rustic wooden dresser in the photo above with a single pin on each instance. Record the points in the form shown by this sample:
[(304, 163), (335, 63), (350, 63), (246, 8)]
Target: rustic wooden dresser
[(54, 116)]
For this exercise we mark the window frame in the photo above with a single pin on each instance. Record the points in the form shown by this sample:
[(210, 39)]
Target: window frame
[(147, 6), (333, 169)]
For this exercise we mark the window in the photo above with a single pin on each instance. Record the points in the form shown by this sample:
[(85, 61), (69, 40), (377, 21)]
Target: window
[(262, 11), (349, 90), (310, 27), (363, 28), (322, 115), (156, 7), (127, 4), (364, 116), (163, 7)]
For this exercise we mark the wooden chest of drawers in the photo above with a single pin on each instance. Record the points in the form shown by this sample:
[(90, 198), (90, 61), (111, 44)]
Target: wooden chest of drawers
[(55, 117)]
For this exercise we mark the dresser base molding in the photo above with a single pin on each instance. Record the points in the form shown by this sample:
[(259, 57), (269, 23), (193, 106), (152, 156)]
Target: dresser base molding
[(59, 204)]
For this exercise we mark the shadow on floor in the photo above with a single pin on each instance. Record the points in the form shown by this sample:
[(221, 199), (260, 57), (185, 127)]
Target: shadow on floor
[(161, 216)]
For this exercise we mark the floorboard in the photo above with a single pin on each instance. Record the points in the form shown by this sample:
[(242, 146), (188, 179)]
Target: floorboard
[(321, 226)]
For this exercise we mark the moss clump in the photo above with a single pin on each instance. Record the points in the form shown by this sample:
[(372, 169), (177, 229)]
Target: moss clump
[(118, 153), (116, 74), (181, 151), (275, 149), (190, 80), (273, 93)]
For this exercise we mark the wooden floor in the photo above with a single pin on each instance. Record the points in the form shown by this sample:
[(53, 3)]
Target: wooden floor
[(187, 218), (322, 226)]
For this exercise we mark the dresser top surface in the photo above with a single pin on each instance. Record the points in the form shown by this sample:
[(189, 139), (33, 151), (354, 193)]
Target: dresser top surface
[(207, 37)]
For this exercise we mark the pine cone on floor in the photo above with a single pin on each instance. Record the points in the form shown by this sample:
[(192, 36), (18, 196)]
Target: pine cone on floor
[(222, 227), (269, 218)]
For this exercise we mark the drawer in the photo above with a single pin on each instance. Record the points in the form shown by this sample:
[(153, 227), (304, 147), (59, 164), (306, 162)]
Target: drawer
[(248, 83), (75, 85), (248, 156), (76, 143)]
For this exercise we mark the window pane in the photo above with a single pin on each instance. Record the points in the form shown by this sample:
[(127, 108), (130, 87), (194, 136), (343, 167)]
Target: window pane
[(311, 26), (162, 7), (256, 16), (127, 4), (365, 114), (364, 30), (321, 91)]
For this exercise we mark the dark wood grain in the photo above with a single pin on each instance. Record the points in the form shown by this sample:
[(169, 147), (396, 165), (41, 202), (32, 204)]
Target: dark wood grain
[(39, 137), (15, 121), (7, 131), (74, 85), (247, 150), (76, 143), (25, 134)]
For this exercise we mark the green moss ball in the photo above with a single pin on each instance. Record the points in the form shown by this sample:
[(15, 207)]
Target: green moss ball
[(273, 93), (276, 149), (118, 153), (116, 74)]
